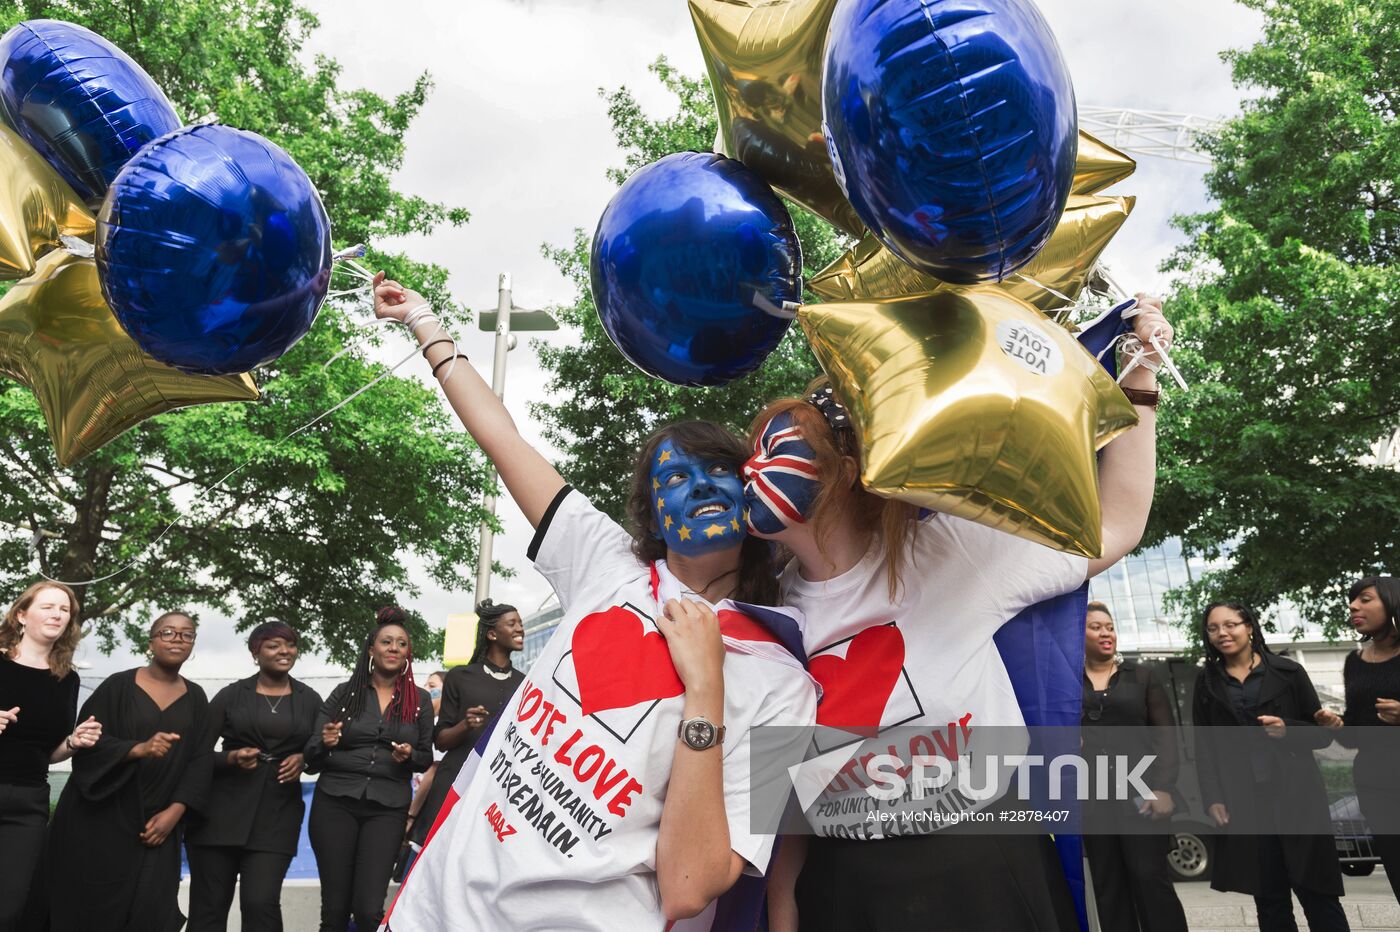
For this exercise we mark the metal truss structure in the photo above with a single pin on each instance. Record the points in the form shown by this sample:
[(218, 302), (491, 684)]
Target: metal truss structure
[(1150, 132)]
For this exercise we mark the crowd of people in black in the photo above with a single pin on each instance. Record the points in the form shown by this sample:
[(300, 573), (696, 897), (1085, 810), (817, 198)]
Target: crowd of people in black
[(156, 763), (1275, 780)]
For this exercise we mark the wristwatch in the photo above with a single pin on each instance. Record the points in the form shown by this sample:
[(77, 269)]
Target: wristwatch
[(1145, 397), (700, 733)]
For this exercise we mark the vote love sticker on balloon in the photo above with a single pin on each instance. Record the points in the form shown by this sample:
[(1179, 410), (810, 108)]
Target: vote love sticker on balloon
[(1030, 347)]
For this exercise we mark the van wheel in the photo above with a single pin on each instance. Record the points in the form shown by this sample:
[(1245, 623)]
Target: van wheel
[(1189, 857)]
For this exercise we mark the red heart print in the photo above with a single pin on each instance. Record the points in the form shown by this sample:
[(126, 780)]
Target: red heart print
[(619, 664), (856, 688)]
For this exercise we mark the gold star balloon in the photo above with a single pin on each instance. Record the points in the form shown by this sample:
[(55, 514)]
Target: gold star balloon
[(869, 270), (93, 383), (972, 402), (36, 207), (765, 63), (1098, 165)]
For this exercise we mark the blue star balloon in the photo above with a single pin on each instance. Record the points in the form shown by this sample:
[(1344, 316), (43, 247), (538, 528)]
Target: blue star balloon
[(692, 263), (80, 101), (952, 128), (214, 250)]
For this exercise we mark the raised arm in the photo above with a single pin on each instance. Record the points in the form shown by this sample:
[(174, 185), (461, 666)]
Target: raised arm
[(1128, 465), (530, 478)]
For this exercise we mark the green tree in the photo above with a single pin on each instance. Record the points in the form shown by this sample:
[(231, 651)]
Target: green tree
[(604, 407), (316, 530), (1287, 320)]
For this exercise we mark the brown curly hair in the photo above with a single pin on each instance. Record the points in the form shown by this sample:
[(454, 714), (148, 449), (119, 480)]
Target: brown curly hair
[(61, 655), (842, 498), (758, 571)]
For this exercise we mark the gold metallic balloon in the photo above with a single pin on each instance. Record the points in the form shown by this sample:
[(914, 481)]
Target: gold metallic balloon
[(869, 270), (1098, 166), (765, 64), (973, 403), (36, 207), (93, 383)]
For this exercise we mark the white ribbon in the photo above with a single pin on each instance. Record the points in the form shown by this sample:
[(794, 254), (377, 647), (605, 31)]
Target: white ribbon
[(344, 262)]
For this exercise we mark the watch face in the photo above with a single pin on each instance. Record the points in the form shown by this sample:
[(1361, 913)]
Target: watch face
[(699, 734)]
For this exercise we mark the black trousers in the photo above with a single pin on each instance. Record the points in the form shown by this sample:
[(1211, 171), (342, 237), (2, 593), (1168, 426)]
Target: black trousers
[(1131, 887), (356, 843), (1275, 905), (943, 882), (1388, 848), (214, 869), (24, 819)]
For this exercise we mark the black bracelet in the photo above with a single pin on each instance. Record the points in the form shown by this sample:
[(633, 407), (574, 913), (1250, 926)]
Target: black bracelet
[(429, 345), (446, 361)]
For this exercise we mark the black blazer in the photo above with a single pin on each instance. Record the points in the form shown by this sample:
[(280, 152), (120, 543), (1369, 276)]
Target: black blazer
[(249, 807), (1297, 798)]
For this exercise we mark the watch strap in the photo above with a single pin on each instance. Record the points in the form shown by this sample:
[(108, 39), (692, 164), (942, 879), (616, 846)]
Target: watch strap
[(1146, 397)]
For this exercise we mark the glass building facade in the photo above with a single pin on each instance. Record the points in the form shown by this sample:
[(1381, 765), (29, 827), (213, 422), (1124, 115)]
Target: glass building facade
[(539, 627), (1135, 587)]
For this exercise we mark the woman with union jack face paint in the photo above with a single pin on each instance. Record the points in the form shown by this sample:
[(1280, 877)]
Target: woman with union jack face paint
[(901, 609), (639, 707)]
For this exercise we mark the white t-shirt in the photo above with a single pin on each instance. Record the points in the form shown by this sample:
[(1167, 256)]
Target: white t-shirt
[(558, 828), (924, 663)]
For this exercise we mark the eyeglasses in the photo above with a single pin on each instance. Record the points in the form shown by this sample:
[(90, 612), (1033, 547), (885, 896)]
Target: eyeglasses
[(1229, 627), (171, 635)]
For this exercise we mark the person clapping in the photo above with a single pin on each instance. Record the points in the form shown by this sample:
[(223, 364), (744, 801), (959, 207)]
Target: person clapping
[(248, 834), (371, 734)]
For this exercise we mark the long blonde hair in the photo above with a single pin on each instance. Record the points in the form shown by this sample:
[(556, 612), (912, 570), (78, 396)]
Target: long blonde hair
[(842, 498), (61, 655)]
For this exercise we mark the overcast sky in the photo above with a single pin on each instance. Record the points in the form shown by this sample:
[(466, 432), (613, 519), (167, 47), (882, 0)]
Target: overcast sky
[(516, 132)]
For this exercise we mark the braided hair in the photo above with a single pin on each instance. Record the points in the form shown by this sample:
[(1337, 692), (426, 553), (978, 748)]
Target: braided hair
[(403, 707), (487, 614)]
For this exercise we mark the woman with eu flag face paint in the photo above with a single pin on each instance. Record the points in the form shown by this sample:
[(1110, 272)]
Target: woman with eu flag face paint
[(613, 790)]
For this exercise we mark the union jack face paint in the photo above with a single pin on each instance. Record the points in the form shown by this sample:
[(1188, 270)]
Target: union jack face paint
[(780, 479)]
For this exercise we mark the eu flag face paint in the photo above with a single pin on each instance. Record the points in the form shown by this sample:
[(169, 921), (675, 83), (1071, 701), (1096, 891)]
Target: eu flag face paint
[(698, 502), (780, 479)]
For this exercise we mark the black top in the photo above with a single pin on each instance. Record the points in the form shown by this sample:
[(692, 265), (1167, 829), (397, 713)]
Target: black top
[(1134, 697), (1377, 744), (48, 708), (1244, 696), (159, 776), (249, 808), (472, 685), (361, 765), (463, 687)]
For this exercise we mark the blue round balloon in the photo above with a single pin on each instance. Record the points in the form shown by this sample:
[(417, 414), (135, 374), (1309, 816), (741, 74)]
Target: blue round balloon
[(214, 250), (80, 101), (952, 128), (692, 262)]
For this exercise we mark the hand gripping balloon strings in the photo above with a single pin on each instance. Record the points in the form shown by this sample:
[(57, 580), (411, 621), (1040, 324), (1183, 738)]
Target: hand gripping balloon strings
[(1129, 344), (417, 315), (1136, 354)]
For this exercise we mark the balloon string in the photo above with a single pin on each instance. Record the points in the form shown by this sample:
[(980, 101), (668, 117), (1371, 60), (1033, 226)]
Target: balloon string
[(1129, 343), (419, 315)]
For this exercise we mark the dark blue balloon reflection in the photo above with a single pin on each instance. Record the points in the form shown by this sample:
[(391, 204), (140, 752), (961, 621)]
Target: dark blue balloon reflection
[(214, 250), (79, 100), (952, 127), (691, 257)]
